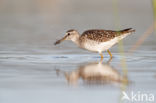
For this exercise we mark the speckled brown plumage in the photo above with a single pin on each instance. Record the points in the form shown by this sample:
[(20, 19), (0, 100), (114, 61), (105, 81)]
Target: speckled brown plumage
[(96, 40), (103, 35)]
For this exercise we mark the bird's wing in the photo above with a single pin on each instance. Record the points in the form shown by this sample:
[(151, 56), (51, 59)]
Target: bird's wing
[(103, 35)]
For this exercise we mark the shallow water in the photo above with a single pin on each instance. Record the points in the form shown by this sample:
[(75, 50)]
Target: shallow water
[(43, 77), (33, 70)]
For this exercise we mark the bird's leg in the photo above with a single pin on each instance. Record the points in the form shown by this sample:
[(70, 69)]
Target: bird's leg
[(101, 56), (109, 53)]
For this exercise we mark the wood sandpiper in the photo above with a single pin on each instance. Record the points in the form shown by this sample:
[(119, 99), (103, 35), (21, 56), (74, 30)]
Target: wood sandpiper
[(96, 40)]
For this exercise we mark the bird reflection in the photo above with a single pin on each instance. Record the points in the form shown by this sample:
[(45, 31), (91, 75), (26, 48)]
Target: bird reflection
[(93, 73)]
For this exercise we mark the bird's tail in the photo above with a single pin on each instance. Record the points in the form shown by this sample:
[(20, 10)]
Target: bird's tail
[(128, 30)]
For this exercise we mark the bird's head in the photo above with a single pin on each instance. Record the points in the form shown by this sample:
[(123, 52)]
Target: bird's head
[(69, 35)]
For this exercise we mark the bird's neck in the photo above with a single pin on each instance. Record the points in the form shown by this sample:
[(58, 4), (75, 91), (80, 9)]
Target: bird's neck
[(76, 39)]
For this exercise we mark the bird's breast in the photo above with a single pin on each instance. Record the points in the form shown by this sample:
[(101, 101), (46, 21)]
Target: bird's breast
[(96, 46)]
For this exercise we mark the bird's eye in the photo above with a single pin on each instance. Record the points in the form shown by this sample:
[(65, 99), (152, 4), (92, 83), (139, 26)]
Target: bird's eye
[(68, 34)]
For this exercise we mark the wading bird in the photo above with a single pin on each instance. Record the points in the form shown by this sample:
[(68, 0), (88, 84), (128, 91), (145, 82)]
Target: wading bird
[(96, 40)]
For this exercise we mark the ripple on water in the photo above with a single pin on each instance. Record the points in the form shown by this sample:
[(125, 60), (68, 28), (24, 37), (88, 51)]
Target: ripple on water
[(135, 57)]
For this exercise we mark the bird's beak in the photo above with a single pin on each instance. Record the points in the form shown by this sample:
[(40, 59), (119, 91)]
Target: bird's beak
[(59, 41)]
